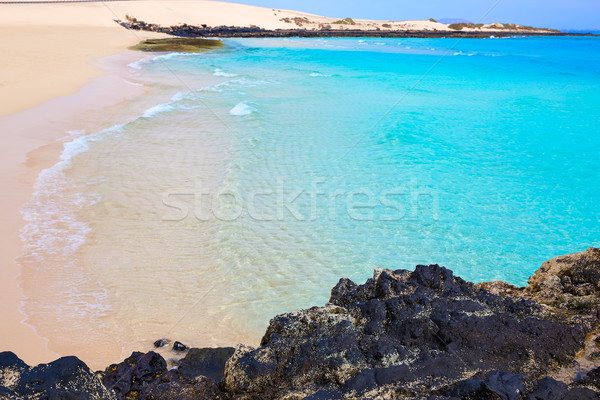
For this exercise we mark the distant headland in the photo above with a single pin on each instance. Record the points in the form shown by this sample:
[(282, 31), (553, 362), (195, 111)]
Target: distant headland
[(347, 27)]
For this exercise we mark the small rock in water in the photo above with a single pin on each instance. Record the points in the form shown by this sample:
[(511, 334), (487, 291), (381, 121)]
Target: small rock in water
[(178, 346), (161, 343)]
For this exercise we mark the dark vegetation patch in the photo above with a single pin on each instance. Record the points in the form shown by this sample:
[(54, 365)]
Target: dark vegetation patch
[(345, 21), (186, 45), (458, 27)]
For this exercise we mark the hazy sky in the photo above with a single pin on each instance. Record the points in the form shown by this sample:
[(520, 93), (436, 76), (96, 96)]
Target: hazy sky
[(561, 14)]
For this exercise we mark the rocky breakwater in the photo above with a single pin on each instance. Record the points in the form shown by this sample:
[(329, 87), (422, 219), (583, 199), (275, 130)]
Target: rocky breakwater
[(422, 334)]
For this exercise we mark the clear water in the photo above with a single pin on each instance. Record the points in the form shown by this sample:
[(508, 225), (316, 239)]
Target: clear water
[(280, 166)]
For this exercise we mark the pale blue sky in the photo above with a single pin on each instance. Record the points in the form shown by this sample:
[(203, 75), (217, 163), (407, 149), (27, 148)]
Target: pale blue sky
[(561, 14)]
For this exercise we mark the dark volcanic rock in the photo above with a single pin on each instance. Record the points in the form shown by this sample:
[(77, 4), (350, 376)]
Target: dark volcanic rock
[(591, 379), (405, 334), (173, 386), (497, 385), (66, 378), (11, 370), (178, 346), (161, 343), (205, 362), (548, 389), (131, 377), (145, 376)]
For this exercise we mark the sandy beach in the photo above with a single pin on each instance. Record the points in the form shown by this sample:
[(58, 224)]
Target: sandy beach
[(48, 54), (30, 143)]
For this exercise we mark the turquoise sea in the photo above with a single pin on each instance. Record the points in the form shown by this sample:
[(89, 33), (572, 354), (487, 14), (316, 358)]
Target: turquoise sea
[(277, 166)]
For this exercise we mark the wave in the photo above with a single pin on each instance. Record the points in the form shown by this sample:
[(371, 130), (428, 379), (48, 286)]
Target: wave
[(131, 83), (158, 109), (460, 53), (241, 109), (179, 102), (243, 82), (318, 74), (147, 60), (219, 72), (53, 233)]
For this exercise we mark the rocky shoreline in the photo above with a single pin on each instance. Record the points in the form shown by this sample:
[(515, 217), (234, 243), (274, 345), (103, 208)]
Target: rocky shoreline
[(205, 31), (422, 334)]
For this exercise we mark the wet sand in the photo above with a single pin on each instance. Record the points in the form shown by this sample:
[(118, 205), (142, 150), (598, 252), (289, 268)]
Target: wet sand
[(30, 142)]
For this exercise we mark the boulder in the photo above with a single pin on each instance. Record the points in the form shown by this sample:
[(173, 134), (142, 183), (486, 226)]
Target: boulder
[(178, 346), (130, 378), (67, 378), (145, 376), (173, 386), (161, 343), (208, 362)]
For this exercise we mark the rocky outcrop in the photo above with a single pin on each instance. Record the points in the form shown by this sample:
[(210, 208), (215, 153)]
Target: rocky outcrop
[(567, 286), (422, 334), (205, 362), (133, 376), (204, 31), (66, 378), (145, 376), (563, 277), (406, 334)]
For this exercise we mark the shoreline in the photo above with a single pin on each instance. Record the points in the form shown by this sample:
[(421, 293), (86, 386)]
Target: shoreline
[(55, 55), (422, 333), (35, 143)]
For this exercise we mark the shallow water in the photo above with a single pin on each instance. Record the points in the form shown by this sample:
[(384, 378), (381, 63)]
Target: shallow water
[(279, 166)]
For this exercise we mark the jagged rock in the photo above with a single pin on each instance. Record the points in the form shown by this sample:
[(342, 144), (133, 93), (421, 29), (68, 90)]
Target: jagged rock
[(497, 385), (325, 395), (577, 274), (11, 370), (548, 389), (145, 376), (174, 386), (66, 378), (131, 377), (567, 286), (581, 394), (406, 334), (208, 362), (591, 379)]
